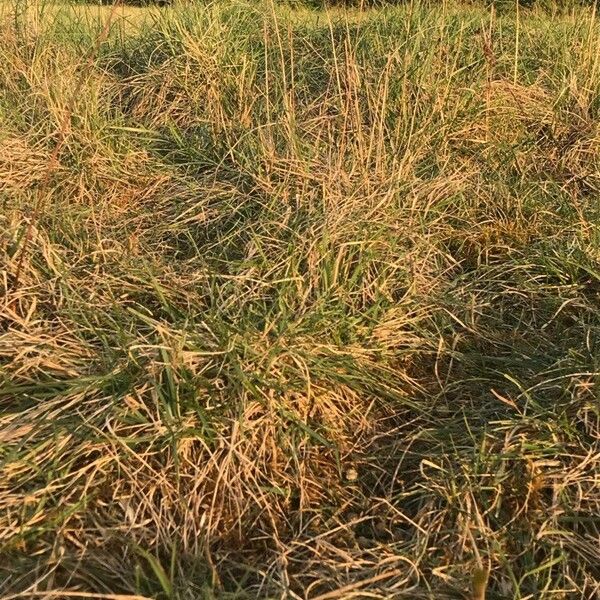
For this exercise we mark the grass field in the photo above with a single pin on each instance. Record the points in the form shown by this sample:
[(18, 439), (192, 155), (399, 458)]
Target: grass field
[(299, 304)]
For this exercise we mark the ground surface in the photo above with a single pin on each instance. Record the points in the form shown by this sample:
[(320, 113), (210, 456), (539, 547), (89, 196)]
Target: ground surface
[(299, 304)]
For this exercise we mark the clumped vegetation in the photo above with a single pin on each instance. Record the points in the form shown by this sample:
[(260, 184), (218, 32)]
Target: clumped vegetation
[(307, 304)]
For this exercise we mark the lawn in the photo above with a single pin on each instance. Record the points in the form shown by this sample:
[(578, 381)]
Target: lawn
[(299, 303)]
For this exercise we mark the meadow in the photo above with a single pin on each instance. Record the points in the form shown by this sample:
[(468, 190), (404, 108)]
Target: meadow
[(299, 302)]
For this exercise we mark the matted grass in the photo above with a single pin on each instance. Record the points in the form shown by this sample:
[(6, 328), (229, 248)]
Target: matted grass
[(310, 308)]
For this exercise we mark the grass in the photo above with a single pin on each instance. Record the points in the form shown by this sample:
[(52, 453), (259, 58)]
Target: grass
[(309, 306)]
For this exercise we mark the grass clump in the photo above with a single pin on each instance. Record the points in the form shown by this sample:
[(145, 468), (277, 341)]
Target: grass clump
[(310, 305)]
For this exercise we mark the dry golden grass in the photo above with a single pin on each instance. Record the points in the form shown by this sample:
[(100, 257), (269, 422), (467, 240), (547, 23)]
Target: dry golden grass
[(38, 14), (308, 307)]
